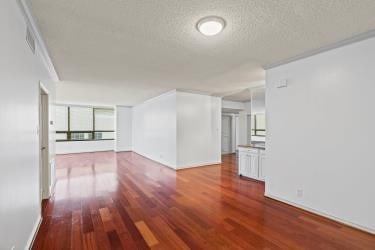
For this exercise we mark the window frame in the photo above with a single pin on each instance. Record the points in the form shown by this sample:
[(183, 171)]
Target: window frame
[(255, 128), (69, 132)]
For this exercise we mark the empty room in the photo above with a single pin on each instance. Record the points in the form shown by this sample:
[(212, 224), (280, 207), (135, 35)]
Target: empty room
[(175, 124)]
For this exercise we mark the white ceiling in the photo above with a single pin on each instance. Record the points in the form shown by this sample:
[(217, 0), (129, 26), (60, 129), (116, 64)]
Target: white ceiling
[(125, 51)]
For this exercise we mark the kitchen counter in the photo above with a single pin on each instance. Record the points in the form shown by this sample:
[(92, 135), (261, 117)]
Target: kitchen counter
[(254, 145)]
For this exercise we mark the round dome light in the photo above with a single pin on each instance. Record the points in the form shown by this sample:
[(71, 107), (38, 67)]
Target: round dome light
[(210, 26)]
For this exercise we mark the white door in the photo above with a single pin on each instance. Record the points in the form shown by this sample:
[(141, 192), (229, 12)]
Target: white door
[(226, 132), (43, 143)]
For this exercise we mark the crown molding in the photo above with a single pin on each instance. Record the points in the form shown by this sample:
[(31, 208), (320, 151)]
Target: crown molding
[(33, 27), (354, 39)]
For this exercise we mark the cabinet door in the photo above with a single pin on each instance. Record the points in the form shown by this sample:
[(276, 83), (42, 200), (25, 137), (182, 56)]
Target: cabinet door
[(242, 161), (247, 166), (262, 170), (253, 162)]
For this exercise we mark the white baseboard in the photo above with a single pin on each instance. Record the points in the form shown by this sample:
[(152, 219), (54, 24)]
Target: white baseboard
[(311, 210), (200, 165), (177, 168), (123, 150), (34, 232), (52, 188), (156, 160)]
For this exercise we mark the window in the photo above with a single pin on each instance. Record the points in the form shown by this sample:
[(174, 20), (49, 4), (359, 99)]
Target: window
[(258, 125), (80, 123), (81, 118)]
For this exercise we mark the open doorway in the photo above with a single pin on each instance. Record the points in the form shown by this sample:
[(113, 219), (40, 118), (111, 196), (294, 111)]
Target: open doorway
[(226, 134), (44, 169)]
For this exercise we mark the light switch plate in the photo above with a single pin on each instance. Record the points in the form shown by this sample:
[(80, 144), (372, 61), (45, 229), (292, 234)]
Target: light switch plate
[(282, 83)]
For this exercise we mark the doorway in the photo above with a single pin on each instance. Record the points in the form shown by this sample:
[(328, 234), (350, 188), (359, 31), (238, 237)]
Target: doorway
[(44, 170), (226, 134)]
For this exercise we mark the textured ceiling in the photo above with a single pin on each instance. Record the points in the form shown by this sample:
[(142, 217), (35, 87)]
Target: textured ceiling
[(125, 51)]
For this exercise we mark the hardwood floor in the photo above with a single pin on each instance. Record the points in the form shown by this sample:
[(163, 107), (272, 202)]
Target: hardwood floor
[(112, 200)]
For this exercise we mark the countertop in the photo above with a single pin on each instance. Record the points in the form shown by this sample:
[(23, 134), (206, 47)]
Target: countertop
[(254, 145)]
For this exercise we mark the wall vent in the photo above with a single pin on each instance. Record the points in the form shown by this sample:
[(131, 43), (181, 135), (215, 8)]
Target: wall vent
[(30, 40)]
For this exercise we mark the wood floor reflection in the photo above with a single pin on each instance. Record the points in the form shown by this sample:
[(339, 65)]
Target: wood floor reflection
[(110, 200)]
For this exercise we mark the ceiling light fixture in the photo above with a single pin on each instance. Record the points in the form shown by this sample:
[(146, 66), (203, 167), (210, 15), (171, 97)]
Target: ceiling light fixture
[(211, 25)]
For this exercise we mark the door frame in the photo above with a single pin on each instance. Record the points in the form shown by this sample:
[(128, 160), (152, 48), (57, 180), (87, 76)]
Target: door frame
[(43, 128), (230, 147)]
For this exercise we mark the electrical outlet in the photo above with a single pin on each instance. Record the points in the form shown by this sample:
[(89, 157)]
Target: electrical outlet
[(299, 193)]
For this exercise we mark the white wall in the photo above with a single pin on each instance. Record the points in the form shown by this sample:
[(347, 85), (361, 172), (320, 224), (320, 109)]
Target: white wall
[(258, 102), (71, 147), (155, 130), (123, 128), (236, 132), (198, 130), (320, 133), (179, 129), (20, 73)]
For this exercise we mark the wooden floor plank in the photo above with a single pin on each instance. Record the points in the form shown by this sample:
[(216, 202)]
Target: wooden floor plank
[(108, 200), (146, 233)]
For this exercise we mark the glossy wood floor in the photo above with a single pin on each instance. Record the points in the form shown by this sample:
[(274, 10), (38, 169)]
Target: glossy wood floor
[(125, 201)]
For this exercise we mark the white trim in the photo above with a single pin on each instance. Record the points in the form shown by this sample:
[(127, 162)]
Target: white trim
[(311, 210), (158, 161), (87, 152), (25, 10), (156, 97), (175, 91), (123, 106), (122, 150), (196, 92), (45, 90), (52, 187), (200, 165), (34, 232), (354, 39)]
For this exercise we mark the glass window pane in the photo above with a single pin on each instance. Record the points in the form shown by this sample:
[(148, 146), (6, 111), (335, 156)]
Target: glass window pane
[(81, 136), (104, 135), (104, 119), (81, 119), (261, 133), (61, 120), (261, 121), (61, 136)]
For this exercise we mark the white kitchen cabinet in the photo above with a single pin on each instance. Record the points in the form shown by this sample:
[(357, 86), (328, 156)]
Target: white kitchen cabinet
[(251, 163), (253, 167), (262, 169), (243, 160)]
